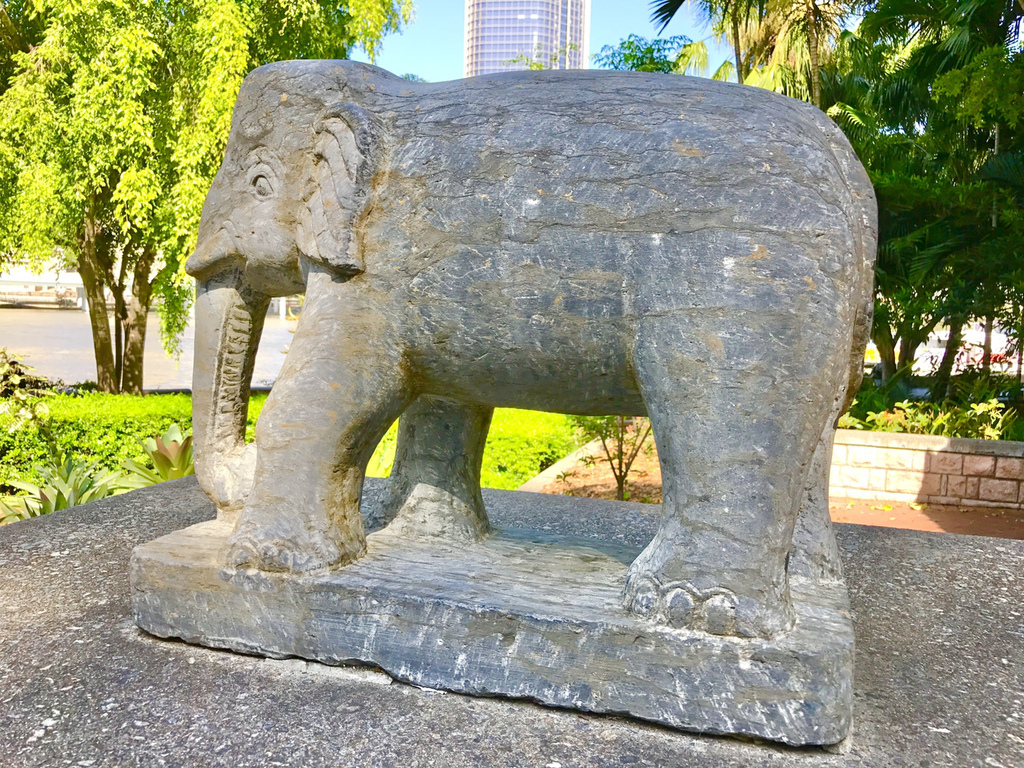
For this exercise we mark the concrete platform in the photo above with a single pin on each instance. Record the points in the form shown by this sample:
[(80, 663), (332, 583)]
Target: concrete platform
[(939, 680)]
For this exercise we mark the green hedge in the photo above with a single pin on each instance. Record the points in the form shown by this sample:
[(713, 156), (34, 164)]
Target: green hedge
[(523, 443), (104, 428), (109, 428)]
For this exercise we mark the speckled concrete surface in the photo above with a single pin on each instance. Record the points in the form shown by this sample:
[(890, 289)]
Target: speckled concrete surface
[(940, 664)]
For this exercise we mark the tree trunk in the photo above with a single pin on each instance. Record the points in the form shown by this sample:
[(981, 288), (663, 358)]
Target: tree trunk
[(741, 75), (1019, 314), (9, 32), (940, 389), (98, 319), (882, 336), (908, 352), (135, 325), (986, 348), (911, 339), (812, 52), (117, 286), (1020, 359), (119, 315)]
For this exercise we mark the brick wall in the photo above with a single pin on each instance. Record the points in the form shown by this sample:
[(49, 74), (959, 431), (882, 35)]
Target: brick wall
[(935, 470)]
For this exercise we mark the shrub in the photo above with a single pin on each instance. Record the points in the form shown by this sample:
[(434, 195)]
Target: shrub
[(109, 430), (523, 443), (622, 438), (170, 454), (384, 454), (520, 444), (67, 482), (985, 421), (16, 377), (106, 429)]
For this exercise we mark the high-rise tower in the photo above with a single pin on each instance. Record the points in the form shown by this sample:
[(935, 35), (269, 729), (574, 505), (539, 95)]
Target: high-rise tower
[(555, 32)]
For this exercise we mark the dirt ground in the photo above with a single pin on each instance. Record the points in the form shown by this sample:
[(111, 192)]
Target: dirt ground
[(597, 481)]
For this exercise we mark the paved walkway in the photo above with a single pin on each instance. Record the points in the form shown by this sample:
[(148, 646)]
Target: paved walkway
[(573, 477), (58, 344)]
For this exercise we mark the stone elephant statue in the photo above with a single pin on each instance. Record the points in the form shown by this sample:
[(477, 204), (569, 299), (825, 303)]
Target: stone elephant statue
[(582, 242)]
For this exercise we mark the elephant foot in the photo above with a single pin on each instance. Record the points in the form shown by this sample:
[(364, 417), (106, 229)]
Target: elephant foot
[(287, 547), (716, 610), (433, 513)]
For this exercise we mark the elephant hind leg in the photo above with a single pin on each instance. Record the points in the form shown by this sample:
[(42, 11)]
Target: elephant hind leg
[(736, 414), (434, 489), (815, 552)]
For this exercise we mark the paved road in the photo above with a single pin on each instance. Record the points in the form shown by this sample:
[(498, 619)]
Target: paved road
[(58, 344)]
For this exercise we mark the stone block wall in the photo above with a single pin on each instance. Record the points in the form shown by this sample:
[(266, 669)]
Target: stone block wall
[(927, 469)]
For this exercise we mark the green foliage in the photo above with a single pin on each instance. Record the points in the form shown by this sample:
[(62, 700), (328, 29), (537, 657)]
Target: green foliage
[(522, 444), (537, 61), (383, 457), (107, 429), (639, 54), (113, 119), (986, 90), (18, 378), (622, 438), (985, 421), (171, 457), (873, 396), (66, 482), (929, 94)]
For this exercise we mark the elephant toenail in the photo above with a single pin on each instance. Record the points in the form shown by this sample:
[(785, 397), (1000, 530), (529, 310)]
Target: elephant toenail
[(720, 613), (680, 608), (644, 599)]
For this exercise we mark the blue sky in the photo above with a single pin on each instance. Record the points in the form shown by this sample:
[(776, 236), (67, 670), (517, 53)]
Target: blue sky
[(431, 46)]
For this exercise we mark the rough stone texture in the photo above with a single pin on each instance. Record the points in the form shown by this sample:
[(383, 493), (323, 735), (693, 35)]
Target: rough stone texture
[(940, 664), (927, 469), (584, 242), (581, 242), (946, 463), (1010, 467), (979, 465), (519, 613)]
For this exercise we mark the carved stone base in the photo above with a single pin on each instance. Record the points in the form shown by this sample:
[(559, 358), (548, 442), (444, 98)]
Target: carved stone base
[(520, 614)]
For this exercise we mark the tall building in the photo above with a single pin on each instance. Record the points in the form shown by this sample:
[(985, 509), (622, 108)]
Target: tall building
[(555, 32)]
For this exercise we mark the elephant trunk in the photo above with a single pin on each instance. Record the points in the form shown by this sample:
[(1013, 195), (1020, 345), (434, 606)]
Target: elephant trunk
[(229, 322)]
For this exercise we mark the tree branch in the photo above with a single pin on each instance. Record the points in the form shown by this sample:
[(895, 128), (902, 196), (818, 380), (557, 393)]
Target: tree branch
[(12, 39)]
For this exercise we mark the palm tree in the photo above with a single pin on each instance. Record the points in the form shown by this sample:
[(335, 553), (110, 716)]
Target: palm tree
[(807, 29), (777, 44), (730, 18)]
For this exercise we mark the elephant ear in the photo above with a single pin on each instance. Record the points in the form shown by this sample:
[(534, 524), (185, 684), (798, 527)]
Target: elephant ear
[(346, 146)]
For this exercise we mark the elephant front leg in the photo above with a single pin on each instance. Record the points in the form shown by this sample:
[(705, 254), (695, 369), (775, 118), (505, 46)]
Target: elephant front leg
[(737, 417), (340, 388), (434, 489)]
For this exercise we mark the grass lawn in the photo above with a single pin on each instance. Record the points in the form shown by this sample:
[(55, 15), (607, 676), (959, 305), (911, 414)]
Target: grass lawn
[(109, 428)]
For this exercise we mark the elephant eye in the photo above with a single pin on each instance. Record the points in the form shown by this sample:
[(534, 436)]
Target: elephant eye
[(261, 186)]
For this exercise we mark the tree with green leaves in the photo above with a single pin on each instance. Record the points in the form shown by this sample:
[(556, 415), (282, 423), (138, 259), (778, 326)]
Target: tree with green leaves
[(935, 102), (667, 55), (112, 126), (730, 19), (780, 45), (537, 61)]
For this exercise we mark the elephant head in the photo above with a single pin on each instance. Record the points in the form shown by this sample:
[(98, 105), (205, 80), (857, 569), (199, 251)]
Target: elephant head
[(293, 185)]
